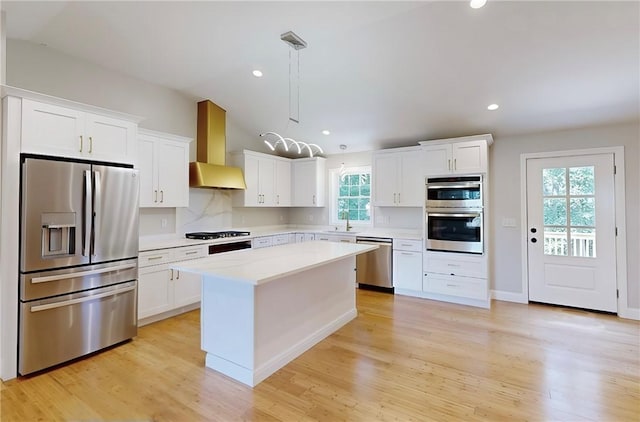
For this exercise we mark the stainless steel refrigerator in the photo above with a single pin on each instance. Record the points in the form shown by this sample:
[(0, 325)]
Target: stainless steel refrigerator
[(78, 259)]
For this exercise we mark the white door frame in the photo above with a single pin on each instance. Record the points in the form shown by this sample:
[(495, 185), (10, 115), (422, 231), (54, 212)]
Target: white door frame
[(620, 213)]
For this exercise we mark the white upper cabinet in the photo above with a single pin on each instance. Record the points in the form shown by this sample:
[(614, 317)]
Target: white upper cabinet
[(66, 132), (308, 180), (164, 169), (268, 180), (457, 155), (398, 179), (283, 183)]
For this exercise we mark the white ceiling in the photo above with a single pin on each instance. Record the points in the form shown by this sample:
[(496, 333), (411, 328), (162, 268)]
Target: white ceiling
[(376, 74)]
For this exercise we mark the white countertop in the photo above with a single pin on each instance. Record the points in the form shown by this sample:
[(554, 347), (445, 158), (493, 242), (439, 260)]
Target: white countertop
[(148, 243), (258, 266)]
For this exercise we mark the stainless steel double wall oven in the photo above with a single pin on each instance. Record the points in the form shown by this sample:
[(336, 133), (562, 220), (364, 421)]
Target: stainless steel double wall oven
[(454, 214), (78, 259)]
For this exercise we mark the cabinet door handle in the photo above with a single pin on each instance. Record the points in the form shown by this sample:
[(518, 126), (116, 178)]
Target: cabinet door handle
[(155, 196), (90, 144), (399, 197), (178, 276), (161, 196), (171, 274), (394, 198), (455, 165), (449, 164), (313, 200), (80, 143), (278, 199)]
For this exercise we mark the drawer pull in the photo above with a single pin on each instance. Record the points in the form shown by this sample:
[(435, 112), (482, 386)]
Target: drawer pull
[(191, 253), (452, 285), (151, 258), (453, 265)]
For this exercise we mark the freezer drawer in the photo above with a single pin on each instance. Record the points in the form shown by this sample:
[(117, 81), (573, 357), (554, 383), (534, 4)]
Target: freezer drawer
[(61, 282), (55, 330)]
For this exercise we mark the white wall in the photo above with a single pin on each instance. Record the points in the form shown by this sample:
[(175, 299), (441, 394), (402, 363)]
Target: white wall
[(505, 196)]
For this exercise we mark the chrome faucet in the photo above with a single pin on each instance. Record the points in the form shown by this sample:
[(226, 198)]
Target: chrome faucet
[(348, 226)]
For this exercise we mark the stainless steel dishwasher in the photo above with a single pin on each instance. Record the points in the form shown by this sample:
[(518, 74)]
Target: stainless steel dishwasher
[(374, 268)]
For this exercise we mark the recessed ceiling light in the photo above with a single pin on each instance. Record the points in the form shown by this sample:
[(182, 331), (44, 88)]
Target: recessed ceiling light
[(477, 4), (326, 132), (493, 107), (257, 73)]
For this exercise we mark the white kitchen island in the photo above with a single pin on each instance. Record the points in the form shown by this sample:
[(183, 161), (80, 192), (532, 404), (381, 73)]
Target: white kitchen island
[(261, 308)]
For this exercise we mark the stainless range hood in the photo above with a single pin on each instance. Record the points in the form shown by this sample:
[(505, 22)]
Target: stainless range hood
[(209, 169)]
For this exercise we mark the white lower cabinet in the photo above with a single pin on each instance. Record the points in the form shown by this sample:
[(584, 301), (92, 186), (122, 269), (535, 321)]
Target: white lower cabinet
[(162, 289), (407, 265), (305, 237), (155, 291), (456, 277)]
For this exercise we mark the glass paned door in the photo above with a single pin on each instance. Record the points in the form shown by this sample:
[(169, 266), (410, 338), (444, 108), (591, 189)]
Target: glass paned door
[(570, 205), (569, 214)]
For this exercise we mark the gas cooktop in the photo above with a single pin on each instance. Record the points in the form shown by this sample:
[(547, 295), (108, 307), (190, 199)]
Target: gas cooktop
[(215, 235)]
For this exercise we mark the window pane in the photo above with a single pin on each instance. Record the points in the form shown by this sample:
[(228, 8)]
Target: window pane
[(555, 211), (555, 241), (581, 180), (344, 190), (365, 190), (353, 179), (583, 242), (554, 181), (354, 191), (363, 215), (583, 211)]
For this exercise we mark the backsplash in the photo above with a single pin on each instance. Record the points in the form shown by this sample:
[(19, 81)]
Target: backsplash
[(209, 210)]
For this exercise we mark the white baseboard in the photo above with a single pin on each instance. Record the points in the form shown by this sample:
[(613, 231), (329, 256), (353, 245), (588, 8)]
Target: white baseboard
[(509, 296), (168, 314), (629, 313)]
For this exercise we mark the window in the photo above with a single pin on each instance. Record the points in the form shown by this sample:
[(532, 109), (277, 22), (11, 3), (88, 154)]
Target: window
[(351, 196)]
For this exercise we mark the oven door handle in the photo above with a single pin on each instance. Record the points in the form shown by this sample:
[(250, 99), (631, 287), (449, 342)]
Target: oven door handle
[(82, 273), (478, 214), (455, 186), (38, 308)]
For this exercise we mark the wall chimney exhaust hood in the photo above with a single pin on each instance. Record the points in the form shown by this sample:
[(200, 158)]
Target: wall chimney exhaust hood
[(209, 169)]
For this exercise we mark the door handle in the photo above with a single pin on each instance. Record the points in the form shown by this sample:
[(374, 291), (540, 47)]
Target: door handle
[(155, 196), (90, 144), (161, 196), (86, 224), (97, 180), (80, 143), (39, 308), (82, 273)]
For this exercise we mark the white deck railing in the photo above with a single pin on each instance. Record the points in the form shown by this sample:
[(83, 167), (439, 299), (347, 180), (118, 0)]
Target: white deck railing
[(582, 244)]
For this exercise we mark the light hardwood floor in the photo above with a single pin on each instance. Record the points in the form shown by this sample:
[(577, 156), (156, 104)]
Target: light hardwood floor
[(401, 359)]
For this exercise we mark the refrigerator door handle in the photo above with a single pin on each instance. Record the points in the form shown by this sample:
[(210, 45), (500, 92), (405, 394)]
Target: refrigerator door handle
[(97, 205), (82, 273), (38, 308), (86, 215)]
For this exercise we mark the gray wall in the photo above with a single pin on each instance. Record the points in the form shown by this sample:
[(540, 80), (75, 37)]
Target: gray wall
[(505, 196)]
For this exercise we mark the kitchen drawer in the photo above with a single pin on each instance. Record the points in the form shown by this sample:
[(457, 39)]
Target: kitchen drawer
[(280, 239), (472, 288), (191, 252), (455, 264), (410, 245), (261, 242), (154, 257)]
